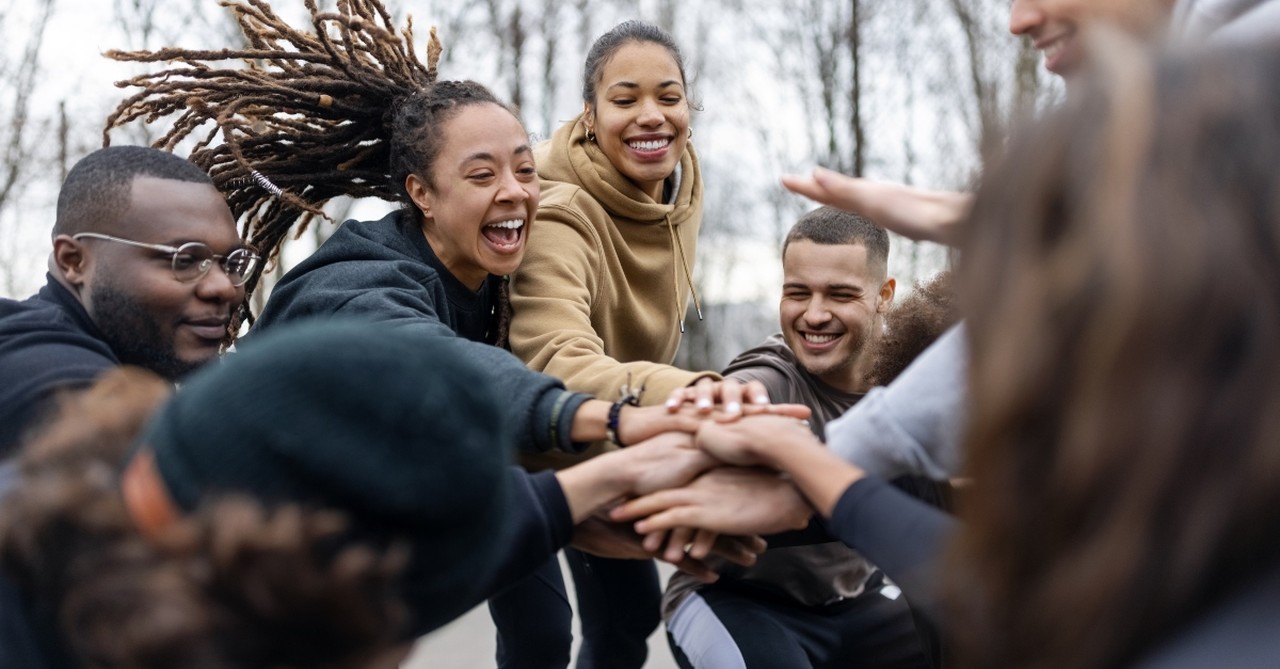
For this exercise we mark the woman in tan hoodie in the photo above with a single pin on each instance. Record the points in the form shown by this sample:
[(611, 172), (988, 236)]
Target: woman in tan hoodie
[(600, 298)]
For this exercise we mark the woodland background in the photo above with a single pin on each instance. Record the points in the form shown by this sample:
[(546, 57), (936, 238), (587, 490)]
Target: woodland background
[(906, 90)]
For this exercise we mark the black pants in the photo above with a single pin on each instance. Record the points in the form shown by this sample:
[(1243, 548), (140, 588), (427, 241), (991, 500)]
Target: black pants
[(740, 626), (617, 604)]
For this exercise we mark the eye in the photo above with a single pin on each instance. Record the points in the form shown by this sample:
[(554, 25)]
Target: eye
[(185, 261), (672, 99), (480, 176), (239, 263), (527, 171), (623, 102)]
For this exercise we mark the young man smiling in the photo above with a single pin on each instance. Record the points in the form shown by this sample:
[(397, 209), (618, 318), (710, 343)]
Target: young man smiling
[(146, 269), (814, 605)]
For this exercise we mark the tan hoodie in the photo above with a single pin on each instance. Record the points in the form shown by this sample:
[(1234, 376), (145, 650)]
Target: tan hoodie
[(602, 290)]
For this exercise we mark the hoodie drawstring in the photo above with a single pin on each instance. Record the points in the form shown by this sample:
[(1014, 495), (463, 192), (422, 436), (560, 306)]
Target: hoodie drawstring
[(677, 250)]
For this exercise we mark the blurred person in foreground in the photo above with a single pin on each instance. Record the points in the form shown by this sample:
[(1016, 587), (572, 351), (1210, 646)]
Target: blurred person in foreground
[(1120, 276)]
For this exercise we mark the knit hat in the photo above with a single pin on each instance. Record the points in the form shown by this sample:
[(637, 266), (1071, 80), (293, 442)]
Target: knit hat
[(393, 429)]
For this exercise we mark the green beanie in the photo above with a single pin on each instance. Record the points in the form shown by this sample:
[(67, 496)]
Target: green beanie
[(395, 430)]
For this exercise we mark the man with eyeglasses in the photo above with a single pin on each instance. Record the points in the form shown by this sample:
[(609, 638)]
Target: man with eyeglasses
[(146, 269)]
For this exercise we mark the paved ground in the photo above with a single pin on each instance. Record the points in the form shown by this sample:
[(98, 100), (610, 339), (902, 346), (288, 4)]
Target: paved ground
[(468, 642)]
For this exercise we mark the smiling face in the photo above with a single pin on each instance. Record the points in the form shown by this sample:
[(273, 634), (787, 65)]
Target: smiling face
[(640, 115), (476, 214), (149, 318), (1053, 25), (831, 309)]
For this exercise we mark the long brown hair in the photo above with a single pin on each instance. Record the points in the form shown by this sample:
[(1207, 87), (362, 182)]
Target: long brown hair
[(234, 586), (1121, 277)]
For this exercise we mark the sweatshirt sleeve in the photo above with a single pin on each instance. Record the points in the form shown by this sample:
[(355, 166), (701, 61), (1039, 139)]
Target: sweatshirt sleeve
[(901, 535), (541, 525), (553, 295), (915, 424), (538, 409)]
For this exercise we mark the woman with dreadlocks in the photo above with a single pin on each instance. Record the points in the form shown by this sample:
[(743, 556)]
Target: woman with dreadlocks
[(349, 110)]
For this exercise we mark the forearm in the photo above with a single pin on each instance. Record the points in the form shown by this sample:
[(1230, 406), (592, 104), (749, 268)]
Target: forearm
[(817, 473), (593, 485)]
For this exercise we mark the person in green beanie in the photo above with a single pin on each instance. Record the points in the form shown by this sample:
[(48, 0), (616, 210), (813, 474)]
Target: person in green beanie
[(312, 416)]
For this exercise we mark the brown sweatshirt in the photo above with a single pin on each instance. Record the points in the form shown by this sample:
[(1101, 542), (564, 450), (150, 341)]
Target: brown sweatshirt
[(605, 280)]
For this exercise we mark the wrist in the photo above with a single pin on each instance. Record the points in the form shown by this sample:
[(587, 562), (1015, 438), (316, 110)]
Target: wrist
[(590, 421)]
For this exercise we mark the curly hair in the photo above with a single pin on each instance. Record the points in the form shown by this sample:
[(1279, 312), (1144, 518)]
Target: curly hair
[(911, 326), (233, 586)]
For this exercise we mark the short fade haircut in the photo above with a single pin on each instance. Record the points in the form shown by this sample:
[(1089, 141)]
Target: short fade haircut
[(831, 226), (96, 191)]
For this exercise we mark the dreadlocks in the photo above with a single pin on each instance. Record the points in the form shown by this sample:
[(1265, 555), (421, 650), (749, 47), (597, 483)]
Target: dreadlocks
[(310, 118)]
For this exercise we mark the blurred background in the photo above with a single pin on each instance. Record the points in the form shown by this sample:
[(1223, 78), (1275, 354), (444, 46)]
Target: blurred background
[(909, 90)]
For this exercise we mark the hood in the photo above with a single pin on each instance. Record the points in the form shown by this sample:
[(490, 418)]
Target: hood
[(570, 157)]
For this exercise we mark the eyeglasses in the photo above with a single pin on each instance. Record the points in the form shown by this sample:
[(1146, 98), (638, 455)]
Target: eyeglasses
[(193, 260)]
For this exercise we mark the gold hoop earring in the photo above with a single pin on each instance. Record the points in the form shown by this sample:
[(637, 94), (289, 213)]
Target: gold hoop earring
[(690, 132), (591, 136)]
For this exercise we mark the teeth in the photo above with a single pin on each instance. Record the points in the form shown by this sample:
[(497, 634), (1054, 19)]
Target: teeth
[(513, 224), (819, 338), (651, 145)]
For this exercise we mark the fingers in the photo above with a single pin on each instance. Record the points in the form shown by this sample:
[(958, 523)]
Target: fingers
[(653, 543), (756, 393), (704, 541), (704, 395), (669, 519), (678, 544), (696, 568)]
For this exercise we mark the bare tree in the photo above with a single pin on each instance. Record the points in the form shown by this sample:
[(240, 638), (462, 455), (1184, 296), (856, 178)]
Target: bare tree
[(22, 132)]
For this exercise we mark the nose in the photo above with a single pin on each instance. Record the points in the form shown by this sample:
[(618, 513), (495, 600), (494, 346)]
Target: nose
[(816, 312), (1025, 17), (511, 190), (216, 286), (650, 114)]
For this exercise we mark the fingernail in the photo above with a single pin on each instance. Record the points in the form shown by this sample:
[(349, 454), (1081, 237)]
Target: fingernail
[(761, 399), (733, 408), (704, 403)]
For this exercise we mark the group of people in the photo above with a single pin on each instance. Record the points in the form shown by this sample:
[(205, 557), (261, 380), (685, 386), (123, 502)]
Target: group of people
[(433, 405)]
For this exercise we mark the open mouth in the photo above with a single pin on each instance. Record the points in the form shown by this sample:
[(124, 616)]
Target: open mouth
[(505, 235)]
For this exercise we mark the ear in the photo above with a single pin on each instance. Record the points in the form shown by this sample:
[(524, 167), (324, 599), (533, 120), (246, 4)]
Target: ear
[(71, 260), (887, 289), (588, 117), (420, 193)]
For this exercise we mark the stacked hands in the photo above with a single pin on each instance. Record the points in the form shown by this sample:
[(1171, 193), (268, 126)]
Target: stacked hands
[(698, 479)]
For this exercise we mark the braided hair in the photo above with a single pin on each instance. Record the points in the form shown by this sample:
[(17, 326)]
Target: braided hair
[(343, 108)]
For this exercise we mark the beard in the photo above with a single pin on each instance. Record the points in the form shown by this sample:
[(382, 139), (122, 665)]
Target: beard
[(134, 334)]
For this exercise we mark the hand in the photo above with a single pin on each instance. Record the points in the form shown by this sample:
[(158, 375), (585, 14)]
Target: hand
[(919, 214), (728, 500), (600, 536), (701, 544), (747, 442), (732, 399), (665, 461), (636, 424), (729, 394)]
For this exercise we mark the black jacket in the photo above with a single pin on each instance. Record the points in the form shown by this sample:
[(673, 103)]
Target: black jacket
[(385, 271)]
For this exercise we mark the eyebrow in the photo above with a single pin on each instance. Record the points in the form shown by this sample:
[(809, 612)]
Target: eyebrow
[(633, 85), (485, 155), (829, 286)]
